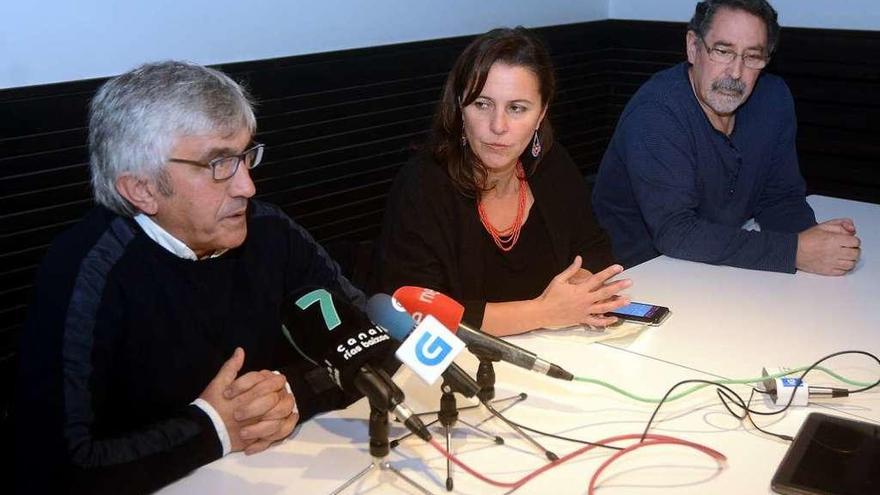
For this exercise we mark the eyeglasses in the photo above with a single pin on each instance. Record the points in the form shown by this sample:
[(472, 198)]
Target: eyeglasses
[(225, 167), (725, 56)]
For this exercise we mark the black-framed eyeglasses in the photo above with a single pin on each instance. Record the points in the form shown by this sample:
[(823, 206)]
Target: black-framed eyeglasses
[(726, 56), (225, 167)]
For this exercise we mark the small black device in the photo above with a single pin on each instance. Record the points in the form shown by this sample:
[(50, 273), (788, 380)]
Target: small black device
[(831, 456), (641, 312)]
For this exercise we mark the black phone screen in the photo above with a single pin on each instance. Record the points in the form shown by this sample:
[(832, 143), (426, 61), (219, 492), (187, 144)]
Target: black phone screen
[(831, 455)]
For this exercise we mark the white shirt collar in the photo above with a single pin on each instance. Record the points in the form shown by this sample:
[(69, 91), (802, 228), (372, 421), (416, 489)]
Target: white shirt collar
[(174, 245)]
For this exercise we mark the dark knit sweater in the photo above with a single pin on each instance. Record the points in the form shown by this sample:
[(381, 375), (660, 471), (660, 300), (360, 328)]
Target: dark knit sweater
[(123, 335), (432, 236), (672, 184)]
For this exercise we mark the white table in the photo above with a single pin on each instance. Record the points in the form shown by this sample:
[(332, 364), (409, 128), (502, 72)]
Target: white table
[(732, 322), (726, 323)]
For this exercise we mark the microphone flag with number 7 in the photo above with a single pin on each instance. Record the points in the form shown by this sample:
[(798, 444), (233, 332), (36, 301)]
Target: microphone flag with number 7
[(331, 332)]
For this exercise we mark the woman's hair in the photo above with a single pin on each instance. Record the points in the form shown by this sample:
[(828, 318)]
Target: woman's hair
[(516, 47)]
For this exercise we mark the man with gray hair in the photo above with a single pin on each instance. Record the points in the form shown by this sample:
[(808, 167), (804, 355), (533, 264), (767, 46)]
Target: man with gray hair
[(153, 344), (707, 146)]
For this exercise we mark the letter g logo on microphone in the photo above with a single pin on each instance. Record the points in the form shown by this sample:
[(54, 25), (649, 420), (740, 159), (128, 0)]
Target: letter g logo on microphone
[(431, 349)]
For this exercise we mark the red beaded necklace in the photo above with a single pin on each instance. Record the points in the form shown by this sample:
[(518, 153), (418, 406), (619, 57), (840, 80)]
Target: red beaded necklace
[(505, 239)]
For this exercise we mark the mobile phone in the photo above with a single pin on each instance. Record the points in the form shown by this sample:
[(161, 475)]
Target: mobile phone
[(831, 455), (643, 313)]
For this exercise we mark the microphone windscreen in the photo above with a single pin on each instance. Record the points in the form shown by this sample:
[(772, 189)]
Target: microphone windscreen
[(384, 311), (328, 330), (419, 302)]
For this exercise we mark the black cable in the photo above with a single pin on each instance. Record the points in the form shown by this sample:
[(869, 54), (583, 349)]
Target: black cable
[(787, 438), (551, 435), (726, 394)]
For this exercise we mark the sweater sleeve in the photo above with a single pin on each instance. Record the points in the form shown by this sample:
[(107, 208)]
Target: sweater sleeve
[(413, 246), (65, 441), (782, 204), (309, 264), (587, 237), (180, 443), (661, 169)]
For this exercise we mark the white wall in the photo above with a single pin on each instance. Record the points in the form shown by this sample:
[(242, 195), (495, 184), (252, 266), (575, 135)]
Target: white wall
[(832, 14), (45, 41), (60, 40)]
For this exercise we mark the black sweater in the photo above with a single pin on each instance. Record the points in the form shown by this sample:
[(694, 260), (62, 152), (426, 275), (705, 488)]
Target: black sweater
[(123, 335), (432, 236)]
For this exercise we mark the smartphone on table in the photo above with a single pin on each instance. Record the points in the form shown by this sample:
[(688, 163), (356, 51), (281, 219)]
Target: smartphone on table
[(642, 313)]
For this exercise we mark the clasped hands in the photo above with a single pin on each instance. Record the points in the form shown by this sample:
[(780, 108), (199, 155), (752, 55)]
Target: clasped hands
[(256, 407), (829, 248), (576, 296)]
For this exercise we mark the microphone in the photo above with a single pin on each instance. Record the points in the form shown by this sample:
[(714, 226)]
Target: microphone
[(387, 313), (329, 331), (428, 338), (420, 302)]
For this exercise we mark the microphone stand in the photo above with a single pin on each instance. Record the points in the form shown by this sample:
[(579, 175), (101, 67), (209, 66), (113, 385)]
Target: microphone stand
[(448, 416), (457, 380), (383, 395), (486, 394)]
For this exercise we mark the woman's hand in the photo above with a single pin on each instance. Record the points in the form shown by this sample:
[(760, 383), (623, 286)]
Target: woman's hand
[(576, 296)]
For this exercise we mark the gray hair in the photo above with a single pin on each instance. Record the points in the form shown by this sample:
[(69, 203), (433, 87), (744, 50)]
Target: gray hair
[(704, 13), (136, 118)]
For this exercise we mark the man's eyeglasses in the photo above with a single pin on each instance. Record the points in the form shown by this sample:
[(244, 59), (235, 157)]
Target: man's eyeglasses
[(726, 56), (225, 167)]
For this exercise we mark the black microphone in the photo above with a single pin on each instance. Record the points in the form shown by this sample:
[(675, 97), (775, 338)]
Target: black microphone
[(329, 331)]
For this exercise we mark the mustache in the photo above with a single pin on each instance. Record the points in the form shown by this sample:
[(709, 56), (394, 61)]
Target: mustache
[(730, 85)]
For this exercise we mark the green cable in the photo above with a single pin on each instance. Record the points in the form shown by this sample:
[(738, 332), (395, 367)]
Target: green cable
[(725, 382)]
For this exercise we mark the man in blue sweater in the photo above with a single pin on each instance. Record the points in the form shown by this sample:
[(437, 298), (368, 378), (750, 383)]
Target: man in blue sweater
[(154, 344), (705, 147)]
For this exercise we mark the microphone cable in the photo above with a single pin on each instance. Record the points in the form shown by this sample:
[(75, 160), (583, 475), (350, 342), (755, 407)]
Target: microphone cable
[(706, 383), (731, 381), (649, 440), (725, 394), (645, 439)]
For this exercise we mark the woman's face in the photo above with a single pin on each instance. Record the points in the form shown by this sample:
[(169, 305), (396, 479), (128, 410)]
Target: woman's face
[(501, 122)]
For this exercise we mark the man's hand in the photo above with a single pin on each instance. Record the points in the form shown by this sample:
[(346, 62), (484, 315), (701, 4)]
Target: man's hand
[(214, 395), (829, 248), (266, 410), (256, 408)]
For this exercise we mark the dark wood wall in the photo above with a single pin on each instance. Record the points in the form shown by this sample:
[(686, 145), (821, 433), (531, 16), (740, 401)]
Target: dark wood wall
[(339, 125)]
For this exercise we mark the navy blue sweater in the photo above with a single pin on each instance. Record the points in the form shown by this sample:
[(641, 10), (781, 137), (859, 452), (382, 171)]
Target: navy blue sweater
[(672, 184), (122, 335)]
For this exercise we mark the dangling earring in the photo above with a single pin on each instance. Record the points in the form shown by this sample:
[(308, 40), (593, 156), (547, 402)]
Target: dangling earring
[(536, 145), (463, 139)]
